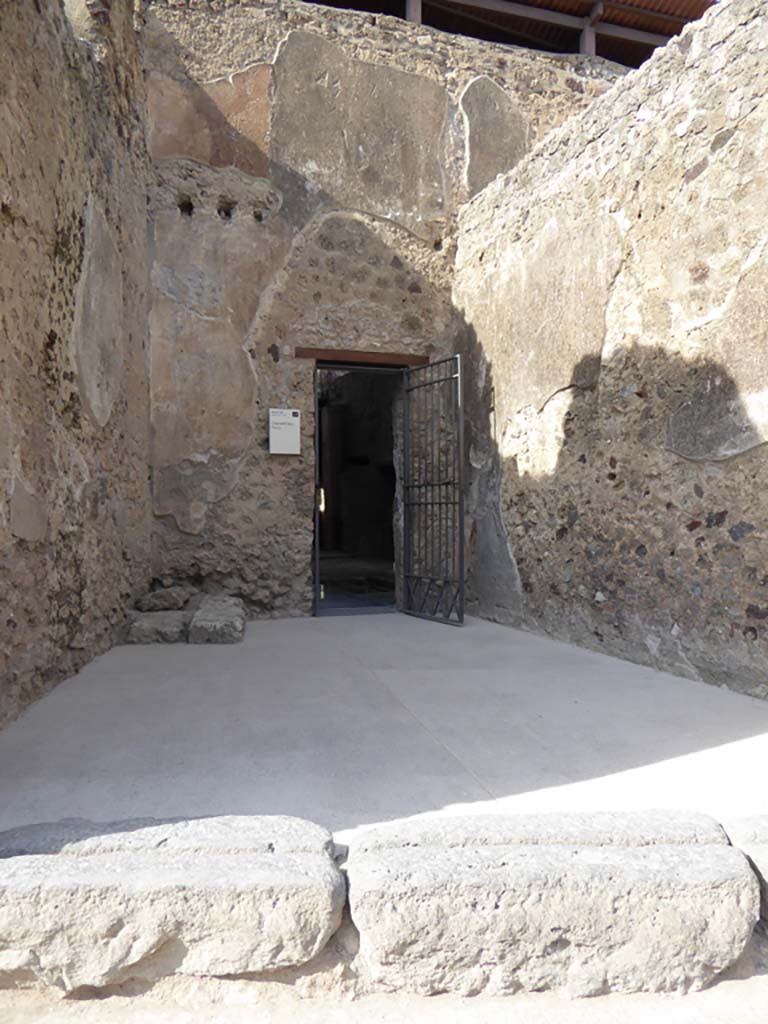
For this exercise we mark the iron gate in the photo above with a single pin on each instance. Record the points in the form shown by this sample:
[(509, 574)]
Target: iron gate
[(433, 493)]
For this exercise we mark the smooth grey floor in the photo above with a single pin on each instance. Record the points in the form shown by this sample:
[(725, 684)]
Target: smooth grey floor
[(352, 720)]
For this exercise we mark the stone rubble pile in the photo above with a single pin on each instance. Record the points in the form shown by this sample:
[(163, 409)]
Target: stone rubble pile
[(180, 614), (581, 903)]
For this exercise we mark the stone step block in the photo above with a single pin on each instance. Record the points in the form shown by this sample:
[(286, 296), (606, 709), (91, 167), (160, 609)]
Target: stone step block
[(230, 833), (585, 919), (750, 835), (599, 828), (219, 619), (91, 905), (167, 627)]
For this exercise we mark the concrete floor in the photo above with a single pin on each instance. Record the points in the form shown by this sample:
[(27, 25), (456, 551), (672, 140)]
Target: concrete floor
[(348, 721)]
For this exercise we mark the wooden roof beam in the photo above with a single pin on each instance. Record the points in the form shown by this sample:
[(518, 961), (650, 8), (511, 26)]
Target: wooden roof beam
[(602, 28), (489, 22)]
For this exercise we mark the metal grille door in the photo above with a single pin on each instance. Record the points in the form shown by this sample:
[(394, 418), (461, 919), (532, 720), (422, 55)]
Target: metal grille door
[(433, 496)]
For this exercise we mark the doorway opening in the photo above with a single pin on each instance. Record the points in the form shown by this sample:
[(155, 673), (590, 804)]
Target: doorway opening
[(356, 489)]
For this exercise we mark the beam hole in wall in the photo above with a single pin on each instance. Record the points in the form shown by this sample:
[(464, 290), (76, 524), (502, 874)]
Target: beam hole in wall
[(261, 215), (225, 208), (185, 205)]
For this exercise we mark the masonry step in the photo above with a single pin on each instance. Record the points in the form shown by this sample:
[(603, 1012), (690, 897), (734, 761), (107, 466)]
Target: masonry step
[(586, 904), (581, 903), (91, 905)]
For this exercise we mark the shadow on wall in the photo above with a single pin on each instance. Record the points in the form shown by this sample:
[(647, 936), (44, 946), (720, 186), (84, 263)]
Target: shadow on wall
[(628, 514)]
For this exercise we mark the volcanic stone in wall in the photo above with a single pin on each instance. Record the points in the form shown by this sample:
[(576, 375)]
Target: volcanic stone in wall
[(349, 280), (370, 137)]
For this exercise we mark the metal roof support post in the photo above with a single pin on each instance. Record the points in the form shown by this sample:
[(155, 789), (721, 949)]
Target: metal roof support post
[(588, 37), (587, 40), (413, 11)]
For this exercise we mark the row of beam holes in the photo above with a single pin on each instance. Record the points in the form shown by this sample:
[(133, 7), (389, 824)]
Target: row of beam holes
[(225, 208)]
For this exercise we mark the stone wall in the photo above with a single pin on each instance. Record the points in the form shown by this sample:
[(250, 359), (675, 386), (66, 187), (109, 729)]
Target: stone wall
[(615, 285), (308, 166), (74, 524)]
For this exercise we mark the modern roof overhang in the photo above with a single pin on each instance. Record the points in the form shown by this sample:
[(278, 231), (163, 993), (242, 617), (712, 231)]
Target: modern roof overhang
[(649, 23), (622, 30)]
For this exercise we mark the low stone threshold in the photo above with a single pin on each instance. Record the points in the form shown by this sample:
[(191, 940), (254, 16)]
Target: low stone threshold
[(584, 905)]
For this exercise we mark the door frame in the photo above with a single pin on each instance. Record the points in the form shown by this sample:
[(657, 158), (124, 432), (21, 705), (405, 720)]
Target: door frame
[(351, 360)]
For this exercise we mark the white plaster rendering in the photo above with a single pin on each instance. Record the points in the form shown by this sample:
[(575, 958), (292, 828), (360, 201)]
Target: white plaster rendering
[(98, 330)]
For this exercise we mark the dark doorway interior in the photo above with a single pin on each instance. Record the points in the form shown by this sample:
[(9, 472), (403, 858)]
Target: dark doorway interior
[(356, 563)]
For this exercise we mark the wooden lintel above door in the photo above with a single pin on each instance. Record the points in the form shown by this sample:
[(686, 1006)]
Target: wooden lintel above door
[(354, 357)]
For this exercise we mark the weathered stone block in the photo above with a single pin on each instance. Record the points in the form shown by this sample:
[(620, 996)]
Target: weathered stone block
[(83, 904), (218, 620), (166, 599), (28, 514), (497, 132), (750, 835), (157, 628), (519, 915)]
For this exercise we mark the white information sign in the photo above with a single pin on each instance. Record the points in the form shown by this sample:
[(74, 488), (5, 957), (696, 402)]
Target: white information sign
[(284, 432)]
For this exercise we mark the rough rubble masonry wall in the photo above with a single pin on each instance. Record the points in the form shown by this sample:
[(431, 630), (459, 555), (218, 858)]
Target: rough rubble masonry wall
[(616, 284), (74, 422), (308, 165)]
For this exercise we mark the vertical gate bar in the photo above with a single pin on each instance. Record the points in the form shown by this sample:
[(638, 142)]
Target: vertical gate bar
[(441, 565), (416, 495), (406, 476), (423, 506), (425, 481), (439, 490), (316, 546), (454, 523), (418, 507), (435, 487), (431, 474), (460, 449), (425, 478), (449, 493), (414, 489)]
